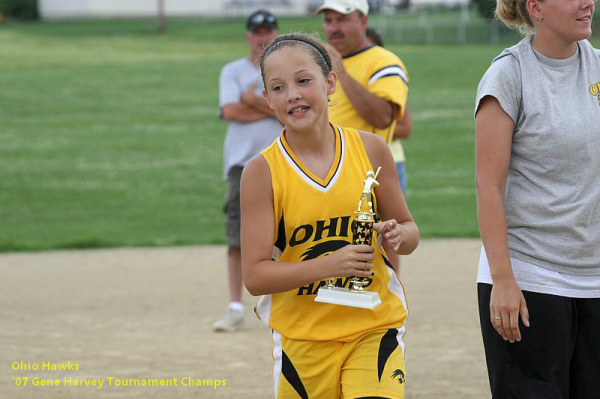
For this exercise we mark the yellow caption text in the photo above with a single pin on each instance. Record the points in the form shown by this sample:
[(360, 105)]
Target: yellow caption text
[(99, 383)]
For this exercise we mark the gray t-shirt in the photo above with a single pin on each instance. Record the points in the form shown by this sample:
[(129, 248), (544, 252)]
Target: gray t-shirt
[(552, 196), (243, 140)]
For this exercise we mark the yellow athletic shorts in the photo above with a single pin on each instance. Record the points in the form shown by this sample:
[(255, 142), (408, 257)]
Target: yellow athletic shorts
[(372, 365)]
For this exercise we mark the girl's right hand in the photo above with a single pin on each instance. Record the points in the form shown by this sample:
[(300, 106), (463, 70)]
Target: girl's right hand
[(506, 304), (351, 260)]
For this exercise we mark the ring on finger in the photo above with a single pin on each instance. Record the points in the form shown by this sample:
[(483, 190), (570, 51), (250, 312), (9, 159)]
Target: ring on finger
[(497, 317)]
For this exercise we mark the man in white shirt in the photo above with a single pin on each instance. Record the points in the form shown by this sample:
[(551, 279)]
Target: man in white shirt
[(252, 126)]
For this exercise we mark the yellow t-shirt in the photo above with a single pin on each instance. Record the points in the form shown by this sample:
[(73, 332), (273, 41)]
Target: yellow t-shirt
[(397, 150), (313, 218), (382, 73)]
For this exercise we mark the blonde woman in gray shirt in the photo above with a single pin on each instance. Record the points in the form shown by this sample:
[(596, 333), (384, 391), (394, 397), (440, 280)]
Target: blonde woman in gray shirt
[(538, 199)]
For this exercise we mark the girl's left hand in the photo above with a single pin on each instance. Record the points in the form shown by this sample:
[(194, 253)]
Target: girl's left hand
[(391, 231)]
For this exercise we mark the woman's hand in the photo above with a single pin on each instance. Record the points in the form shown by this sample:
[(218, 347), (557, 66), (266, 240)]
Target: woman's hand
[(506, 303)]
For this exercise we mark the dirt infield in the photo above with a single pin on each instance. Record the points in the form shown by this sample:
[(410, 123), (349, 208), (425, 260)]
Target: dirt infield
[(138, 321)]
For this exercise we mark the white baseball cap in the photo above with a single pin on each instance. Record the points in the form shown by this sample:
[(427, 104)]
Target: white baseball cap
[(345, 6)]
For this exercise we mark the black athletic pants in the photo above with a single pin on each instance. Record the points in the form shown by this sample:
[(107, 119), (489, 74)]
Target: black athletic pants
[(558, 356)]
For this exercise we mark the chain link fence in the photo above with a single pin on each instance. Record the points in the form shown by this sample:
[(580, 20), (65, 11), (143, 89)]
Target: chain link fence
[(440, 25)]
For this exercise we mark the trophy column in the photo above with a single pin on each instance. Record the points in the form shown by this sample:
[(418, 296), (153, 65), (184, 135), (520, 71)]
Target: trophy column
[(362, 233)]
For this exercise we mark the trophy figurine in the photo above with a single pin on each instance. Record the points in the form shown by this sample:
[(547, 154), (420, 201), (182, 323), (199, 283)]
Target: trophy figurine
[(362, 233)]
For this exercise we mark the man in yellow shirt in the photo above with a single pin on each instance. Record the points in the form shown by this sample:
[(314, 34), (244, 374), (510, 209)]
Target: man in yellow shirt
[(403, 125), (373, 83)]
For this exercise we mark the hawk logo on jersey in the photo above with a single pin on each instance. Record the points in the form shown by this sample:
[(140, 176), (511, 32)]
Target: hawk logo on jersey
[(312, 234), (324, 249), (400, 374)]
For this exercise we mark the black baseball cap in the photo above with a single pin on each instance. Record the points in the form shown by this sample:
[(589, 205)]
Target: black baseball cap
[(259, 19)]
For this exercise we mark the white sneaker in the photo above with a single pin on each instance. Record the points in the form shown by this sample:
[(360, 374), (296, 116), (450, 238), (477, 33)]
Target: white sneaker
[(232, 320)]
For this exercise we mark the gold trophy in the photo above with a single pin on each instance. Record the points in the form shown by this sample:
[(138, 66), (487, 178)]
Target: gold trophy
[(362, 233)]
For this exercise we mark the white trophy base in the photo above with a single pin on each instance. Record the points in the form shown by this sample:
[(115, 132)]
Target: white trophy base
[(345, 297)]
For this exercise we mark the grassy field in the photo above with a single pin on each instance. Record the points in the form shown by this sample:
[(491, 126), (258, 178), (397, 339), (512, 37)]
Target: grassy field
[(110, 137)]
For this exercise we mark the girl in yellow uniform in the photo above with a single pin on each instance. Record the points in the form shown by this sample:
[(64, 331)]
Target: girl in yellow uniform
[(298, 201)]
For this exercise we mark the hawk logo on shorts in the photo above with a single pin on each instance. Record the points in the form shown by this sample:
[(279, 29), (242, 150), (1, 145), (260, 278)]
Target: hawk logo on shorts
[(400, 374)]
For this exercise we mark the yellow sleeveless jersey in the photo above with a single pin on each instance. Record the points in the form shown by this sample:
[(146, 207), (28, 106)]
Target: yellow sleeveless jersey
[(313, 218), (382, 73)]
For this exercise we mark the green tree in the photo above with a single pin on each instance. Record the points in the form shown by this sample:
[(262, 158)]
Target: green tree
[(486, 8), (19, 9)]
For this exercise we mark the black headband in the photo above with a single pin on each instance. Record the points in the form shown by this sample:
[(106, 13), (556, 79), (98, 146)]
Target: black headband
[(311, 45)]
